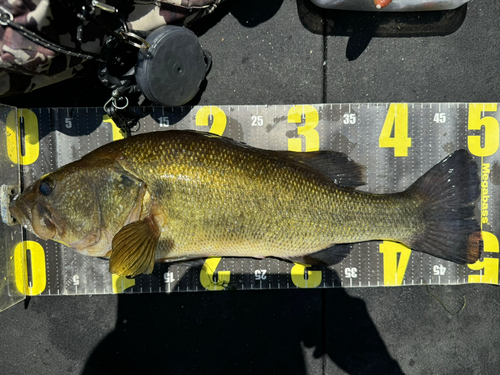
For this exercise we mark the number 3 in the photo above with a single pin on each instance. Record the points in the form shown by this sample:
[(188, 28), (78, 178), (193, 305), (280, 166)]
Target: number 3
[(311, 118)]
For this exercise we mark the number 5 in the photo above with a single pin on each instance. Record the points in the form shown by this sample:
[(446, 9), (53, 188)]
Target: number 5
[(491, 133)]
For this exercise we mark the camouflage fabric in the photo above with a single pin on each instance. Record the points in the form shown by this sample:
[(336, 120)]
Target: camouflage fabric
[(26, 65)]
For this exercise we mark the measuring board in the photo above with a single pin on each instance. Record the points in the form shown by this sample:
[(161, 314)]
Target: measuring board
[(396, 142)]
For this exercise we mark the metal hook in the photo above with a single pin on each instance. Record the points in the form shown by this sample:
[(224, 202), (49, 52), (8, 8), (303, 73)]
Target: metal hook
[(129, 38), (113, 101), (117, 106), (5, 21)]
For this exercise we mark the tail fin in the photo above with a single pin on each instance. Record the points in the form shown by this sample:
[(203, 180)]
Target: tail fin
[(450, 189)]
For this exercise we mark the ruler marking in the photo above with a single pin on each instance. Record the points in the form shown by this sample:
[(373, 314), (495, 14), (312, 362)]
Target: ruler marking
[(369, 274)]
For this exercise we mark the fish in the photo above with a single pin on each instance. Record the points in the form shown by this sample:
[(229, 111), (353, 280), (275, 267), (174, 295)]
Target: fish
[(179, 195)]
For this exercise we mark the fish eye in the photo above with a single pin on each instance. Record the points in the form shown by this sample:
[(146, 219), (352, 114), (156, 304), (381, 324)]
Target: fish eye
[(45, 188)]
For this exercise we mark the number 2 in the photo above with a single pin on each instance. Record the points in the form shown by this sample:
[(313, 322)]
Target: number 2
[(207, 275), (219, 119)]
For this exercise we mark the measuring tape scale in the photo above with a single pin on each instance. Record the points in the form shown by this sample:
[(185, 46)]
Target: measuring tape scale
[(397, 142)]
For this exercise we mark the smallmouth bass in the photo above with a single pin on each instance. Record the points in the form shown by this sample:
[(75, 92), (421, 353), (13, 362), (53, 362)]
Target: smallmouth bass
[(177, 195)]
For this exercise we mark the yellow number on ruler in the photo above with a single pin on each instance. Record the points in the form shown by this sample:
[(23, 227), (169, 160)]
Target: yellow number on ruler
[(397, 121), (219, 119), (207, 275), (299, 276), (38, 273), (488, 265), (31, 150), (394, 271), (311, 119), (121, 283), (117, 132), (491, 132)]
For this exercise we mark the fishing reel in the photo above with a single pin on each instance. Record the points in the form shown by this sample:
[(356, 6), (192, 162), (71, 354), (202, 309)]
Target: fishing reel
[(168, 67)]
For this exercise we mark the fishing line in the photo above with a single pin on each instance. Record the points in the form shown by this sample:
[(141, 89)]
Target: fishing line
[(442, 304)]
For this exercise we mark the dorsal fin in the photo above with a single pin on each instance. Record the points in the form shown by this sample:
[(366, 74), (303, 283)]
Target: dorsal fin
[(336, 165)]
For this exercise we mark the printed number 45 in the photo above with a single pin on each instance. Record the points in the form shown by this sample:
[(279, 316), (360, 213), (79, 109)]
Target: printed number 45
[(440, 118)]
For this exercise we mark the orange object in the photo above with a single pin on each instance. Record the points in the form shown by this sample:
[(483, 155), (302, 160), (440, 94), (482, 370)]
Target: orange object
[(381, 3)]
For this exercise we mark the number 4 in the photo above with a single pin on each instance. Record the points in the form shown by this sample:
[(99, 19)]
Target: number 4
[(395, 130)]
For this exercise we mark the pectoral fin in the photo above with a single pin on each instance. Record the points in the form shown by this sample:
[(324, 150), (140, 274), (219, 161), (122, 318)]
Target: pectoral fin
[(134, 248)]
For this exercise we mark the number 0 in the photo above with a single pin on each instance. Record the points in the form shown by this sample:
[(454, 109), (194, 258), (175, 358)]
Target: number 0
[(29, 154), (38, 273)]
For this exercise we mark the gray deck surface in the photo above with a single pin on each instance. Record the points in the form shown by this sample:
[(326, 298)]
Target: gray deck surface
[(286, 52)]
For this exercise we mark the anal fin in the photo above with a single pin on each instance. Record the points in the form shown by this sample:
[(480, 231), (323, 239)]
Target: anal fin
[(326, 257), (184, 261), (134, 248)]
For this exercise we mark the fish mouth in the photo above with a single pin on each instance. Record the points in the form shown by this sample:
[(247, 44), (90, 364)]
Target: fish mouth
[(21, 212), (33, 217)]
